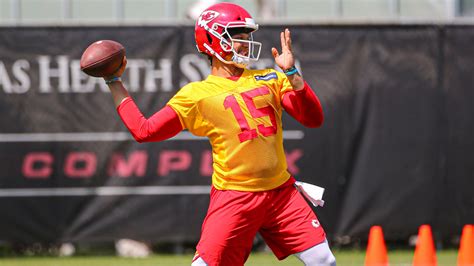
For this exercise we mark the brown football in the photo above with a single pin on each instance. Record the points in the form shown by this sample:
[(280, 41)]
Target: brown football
[(102, 58)]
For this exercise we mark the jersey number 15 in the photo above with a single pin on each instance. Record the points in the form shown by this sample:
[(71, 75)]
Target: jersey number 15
[(248, 133)]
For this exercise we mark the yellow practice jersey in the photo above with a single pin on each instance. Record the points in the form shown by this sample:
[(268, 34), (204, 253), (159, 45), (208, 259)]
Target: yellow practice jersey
[(242, 120)]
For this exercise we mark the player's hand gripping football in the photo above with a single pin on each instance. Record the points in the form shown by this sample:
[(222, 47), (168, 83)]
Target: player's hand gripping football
[(119, 71), (285, 60), (119, 92)]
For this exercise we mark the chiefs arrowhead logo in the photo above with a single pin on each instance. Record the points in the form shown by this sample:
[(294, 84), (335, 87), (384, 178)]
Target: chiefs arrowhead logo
[(206, 17), (315, 223)]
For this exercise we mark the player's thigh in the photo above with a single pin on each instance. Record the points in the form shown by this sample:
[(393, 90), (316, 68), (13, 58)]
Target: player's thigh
[(229, 228), (292, 226)]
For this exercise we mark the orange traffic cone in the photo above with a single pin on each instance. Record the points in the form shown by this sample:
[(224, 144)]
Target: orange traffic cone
[(466, 247), (376, 254), (425, 254)]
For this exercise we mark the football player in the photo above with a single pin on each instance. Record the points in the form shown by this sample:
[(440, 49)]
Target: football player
[(240, 111)]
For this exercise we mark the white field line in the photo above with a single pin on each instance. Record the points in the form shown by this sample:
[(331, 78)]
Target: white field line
[(104, 191), (108, 136)]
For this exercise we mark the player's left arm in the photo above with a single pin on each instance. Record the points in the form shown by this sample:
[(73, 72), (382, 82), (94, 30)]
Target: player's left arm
[(304, 106), (301, 103)]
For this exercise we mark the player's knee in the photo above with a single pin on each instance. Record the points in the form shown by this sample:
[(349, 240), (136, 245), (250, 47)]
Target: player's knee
[(319, 255), (327, 259), (199, 262)]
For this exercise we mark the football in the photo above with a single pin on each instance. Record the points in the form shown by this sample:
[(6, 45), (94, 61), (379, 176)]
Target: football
[(102, 58)]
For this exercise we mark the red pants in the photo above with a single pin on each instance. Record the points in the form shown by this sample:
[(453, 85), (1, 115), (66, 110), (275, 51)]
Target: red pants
[(282, 216)]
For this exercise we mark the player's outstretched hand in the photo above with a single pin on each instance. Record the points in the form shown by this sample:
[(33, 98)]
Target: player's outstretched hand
[(120, 71), (286, 59)]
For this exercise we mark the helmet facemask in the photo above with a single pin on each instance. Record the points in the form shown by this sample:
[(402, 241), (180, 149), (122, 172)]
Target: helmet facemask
[(238, 58), (251, 48)]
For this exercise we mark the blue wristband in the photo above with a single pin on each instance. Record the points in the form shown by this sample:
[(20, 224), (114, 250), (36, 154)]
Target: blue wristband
[(291, 71), (112, 80)]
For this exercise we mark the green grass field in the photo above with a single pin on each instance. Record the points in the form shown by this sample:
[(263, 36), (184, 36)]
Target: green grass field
[(445, 258)]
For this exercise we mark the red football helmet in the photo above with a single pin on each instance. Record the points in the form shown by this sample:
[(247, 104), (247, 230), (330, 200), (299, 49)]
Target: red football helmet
[(213, 33)]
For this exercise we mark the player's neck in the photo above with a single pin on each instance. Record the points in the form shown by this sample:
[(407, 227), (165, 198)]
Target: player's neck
[(221, 69)]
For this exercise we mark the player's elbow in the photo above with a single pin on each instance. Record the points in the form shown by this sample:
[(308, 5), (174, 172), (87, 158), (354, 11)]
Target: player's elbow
[(140, 137), (313, 124), (314, 121), (142, 133)]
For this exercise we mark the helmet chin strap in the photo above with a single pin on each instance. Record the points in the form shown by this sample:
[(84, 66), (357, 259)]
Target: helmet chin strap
[(239, 61), (236, 60)]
